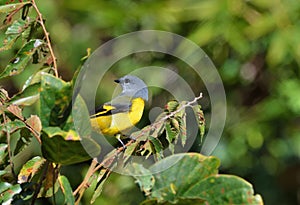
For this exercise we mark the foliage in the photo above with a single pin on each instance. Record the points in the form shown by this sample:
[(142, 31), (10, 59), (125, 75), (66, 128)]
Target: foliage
[(253, 43)]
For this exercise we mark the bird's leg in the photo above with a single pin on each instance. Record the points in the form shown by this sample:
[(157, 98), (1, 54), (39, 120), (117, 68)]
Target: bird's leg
[(118, 136)]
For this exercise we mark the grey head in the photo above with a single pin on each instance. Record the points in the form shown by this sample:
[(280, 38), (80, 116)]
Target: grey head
[(133, 86)]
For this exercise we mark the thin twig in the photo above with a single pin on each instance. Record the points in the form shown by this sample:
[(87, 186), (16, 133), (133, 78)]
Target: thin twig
[(109, 160), (46, 36), (89, 173), (188, 104), (163, 119)]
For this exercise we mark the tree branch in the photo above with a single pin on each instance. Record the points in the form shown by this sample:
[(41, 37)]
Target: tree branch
[(46, 36), (107, 162)]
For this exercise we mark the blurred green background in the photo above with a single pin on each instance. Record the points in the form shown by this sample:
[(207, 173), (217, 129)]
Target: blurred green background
[(255, 46)]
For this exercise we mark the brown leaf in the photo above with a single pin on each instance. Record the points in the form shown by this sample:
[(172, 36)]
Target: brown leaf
[(35, 123), (15, 110)]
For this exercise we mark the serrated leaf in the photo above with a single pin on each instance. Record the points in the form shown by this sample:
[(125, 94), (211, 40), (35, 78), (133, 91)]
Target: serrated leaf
[(171, 106), (67, 190), (158, 147), (200, 120), (171, 136), (22, 58), (147, 149), (30, 168), (55, 101), (62, 147)]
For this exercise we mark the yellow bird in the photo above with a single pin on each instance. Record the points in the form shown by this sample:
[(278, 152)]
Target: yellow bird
[(123, 112)]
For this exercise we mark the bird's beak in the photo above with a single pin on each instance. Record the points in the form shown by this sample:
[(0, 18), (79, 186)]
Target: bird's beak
[(117, 81)]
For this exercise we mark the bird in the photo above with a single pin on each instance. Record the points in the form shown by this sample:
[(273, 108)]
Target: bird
[(122, 113)]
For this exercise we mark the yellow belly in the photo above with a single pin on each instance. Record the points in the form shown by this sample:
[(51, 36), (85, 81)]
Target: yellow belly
[(119, 122)]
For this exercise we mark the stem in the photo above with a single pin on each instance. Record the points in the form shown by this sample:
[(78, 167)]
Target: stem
[(163, 119), (46, 36)]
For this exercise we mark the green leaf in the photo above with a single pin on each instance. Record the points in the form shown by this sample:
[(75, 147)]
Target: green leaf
[(200, 119), (2, 172), (3, 153), (147, 149), (4, 186), (187, 170), (67, 190), (179, 202), (222, 189), (143, 177), (193, 177), (102, 177), (172, 106), (7, 196), (159, 128), (158, 147), (35, 78), (6, 8), (55, 101), (14, 32), (129, 151), (12, 126), (142, 134), (62, 147), (24, 141), (171, 135), (22, 58), (30, 168), (82, 118), (28, 96)]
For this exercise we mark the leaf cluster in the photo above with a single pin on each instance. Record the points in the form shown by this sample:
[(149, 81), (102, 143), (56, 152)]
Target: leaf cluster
[(193, 179)]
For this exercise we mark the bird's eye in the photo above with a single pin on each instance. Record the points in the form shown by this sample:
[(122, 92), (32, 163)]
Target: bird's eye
[(127, 80)]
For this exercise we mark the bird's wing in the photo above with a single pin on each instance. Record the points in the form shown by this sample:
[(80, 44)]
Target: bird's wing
[(118, 105)]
